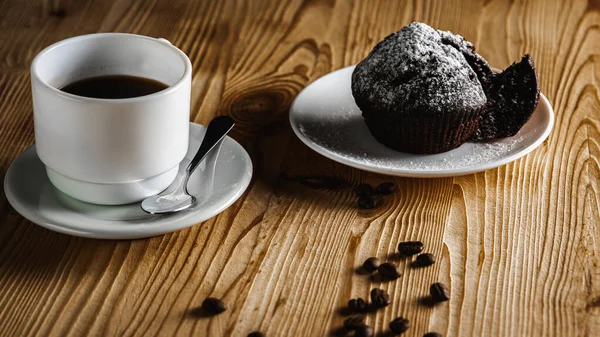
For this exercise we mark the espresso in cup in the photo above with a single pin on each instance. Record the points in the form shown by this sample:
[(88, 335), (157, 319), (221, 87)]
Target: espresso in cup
[(111, 115), (114, 86)]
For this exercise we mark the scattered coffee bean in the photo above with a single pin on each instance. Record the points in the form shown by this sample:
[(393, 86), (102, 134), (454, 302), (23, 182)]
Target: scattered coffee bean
[(371, 264), (366, 202), (379, 298), (385, 188), (399, 325), (364, 331), (439, 292), (354, 322), (363, 190), (357, 305), (425, 259), (389, 271), (369, 202), (213, 306), (256, 334), (432, 334), (410, 247)]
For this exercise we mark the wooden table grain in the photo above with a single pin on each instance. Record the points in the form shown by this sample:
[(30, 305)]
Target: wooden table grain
[(519, 246)]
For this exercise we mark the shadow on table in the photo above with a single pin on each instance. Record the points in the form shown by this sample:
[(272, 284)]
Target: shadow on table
[(198, 312)]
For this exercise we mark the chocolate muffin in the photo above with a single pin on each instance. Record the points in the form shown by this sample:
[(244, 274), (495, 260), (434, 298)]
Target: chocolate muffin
[(417, 91), (427, 91)]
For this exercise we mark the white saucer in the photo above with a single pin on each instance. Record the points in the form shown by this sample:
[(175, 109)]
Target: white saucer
[(325, 117), (218, 182)]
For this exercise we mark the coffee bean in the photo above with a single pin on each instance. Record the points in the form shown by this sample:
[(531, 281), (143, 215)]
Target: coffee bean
[(376, 292), (439, 292), (410, 247), (366, 202), (354, 322), (369, 202), (364, 331), (363, 190), (371, 264), (385, 188), (256, 334), (213, 306), (425, 259), (389, 271), (357, 305), (399, 325), (379, 298), (432, 334)]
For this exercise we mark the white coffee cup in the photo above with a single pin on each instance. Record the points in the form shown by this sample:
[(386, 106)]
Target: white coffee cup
[(111, 151)]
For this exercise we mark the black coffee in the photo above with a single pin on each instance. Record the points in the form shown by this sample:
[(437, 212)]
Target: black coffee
[(114, 86)]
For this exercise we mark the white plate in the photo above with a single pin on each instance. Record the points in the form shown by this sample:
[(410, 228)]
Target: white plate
[(325, 117), (218, 182)]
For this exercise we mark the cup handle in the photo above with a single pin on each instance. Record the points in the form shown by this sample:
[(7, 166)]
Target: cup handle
[(164, 41)]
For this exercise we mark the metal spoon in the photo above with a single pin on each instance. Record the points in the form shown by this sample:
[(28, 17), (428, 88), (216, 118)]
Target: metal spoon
[(176, 197)]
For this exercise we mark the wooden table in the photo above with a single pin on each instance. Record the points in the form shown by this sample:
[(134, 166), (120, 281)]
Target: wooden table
[(519, 245)]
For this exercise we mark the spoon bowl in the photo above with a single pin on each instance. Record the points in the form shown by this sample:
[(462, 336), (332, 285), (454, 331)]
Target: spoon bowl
[(169, 203), (176, 197)]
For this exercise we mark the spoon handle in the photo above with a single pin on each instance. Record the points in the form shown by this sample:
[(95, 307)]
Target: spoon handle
[(216, 130)]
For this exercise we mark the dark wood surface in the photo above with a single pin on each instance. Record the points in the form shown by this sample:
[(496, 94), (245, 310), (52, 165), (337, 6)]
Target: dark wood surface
[(519, 246)]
